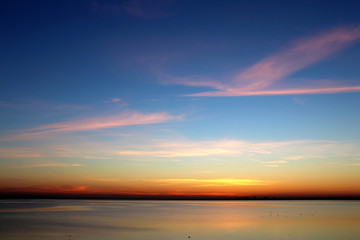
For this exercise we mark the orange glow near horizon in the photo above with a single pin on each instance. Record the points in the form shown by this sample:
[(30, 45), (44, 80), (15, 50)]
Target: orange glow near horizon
[(187, 188), (113, 102)]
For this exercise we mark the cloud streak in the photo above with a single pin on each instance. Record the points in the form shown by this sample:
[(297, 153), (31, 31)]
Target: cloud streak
[(37, 165), (229, 148), (91, 124), (258, 78), (278, 92), (203, 148), (268, 154)]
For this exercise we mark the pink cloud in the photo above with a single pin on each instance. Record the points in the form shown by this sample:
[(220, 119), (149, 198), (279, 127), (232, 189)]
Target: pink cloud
[(300, 55), (256, 79), (114, 100), (90, 124), (125, 119), (197, 82), (278, 92)]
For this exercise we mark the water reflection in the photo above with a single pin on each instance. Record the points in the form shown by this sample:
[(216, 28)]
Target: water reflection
[(47, 209), (135, 220)]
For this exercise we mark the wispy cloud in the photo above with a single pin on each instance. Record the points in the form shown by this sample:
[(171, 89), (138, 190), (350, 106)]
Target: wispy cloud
[(76, 148), (291, 158), (37, 165), (258, 78), (203, 148), (123, 119), (277, 92), (149, 148), (270, 154), (114, 100), (118, 101), (186, 153), (19, 153), (234, 147), (274, 163), (90, 124), (303, 53), (194, 81)]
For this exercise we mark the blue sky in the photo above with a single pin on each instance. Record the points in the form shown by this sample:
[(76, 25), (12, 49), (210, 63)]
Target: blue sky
[(263, 87)]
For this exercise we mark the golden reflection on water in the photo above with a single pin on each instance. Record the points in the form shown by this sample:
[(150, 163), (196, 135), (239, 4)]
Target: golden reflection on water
[(202, 220)]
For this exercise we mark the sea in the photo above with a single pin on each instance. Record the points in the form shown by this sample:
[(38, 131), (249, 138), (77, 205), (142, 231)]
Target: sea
[(179, 220)]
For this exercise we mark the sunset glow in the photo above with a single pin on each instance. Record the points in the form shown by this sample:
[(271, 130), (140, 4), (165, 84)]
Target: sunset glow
[(172, 99)]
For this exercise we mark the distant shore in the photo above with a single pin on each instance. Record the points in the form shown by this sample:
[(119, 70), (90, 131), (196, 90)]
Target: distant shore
[(165, 197)]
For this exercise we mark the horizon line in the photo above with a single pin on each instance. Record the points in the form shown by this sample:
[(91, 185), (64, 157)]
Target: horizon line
[(172, 197)]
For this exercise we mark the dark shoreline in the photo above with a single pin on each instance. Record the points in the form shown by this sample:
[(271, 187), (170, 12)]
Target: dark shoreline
[(175, 198)]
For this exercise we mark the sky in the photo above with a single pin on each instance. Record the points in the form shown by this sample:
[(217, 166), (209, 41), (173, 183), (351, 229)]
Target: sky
[(180, 98)]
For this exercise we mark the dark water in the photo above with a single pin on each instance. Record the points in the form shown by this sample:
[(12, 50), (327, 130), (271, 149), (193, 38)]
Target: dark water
[(176, 220)]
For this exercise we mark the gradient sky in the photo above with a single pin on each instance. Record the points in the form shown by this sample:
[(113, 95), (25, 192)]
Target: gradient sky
[(180, 97)]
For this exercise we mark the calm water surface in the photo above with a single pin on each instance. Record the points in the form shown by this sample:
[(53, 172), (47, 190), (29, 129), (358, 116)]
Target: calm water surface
[(176, 220)]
